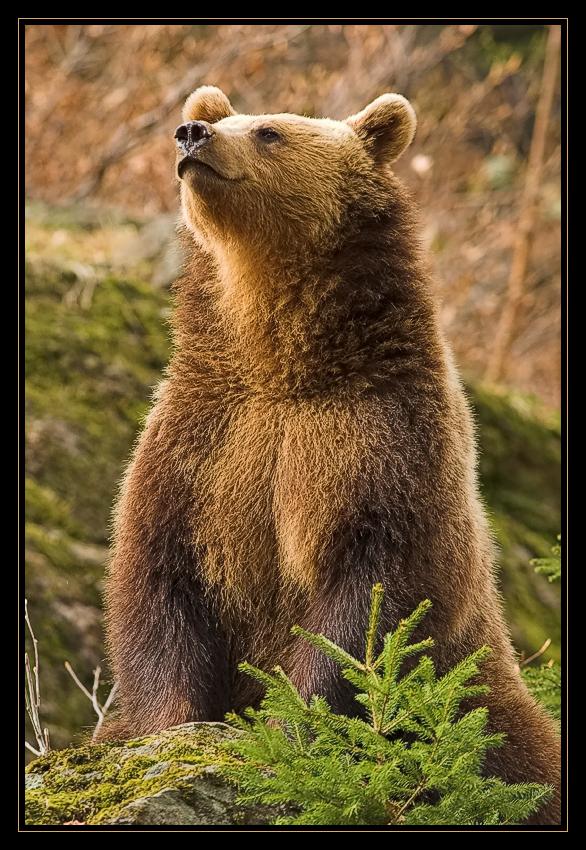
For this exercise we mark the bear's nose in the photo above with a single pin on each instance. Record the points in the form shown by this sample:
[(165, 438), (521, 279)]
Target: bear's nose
[(193, 133)]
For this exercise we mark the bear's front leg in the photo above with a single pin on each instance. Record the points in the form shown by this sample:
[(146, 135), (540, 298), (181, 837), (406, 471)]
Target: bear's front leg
[(339, 608), (167, 647)]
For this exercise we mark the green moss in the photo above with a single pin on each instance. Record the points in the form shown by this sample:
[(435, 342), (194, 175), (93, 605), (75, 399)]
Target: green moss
[(90, 371), (42, 505), (520, 474), (92, 784)]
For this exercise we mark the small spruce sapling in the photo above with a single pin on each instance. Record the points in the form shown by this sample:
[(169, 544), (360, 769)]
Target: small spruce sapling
[(545, 684), (416, 758), (544, 681), (552, 566)]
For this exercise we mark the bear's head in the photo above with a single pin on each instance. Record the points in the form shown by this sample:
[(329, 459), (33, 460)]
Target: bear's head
[(274, 182)]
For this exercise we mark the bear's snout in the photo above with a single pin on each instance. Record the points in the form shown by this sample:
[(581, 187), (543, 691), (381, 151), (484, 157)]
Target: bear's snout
[(193, 135)]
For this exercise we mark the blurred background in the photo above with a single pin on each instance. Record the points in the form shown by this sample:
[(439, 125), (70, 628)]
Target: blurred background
[(102, 102)]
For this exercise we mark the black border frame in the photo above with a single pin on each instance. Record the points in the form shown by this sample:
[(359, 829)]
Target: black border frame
[(567, 320)]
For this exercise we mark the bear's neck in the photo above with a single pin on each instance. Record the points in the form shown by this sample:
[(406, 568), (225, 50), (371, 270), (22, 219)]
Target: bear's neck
[(358, 317)]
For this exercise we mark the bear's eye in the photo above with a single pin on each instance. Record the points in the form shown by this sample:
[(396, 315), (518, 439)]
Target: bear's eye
[(267, 134)]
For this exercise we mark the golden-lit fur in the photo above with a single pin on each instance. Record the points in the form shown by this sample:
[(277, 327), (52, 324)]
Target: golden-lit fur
[(311, 438)]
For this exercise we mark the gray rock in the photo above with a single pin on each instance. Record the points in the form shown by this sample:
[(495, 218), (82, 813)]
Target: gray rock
[(168, 266), (165, 808), (33, 780), (171, 778), (157, 769), (148, 243)]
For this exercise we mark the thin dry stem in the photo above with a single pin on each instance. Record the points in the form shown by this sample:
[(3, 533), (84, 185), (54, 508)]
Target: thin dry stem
[(33, 694), (535, 655), (100, 710)]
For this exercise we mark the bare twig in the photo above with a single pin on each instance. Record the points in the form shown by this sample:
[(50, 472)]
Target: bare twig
[(400, 64), (105, 707), (129, 137), (535, 655), (100, 710), (516, 283), (110, 698), (33, 695)]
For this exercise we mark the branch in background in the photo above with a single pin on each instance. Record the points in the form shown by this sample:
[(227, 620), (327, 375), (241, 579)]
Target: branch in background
[(543, 648), (398, 66), (100, 710), (129, 137), (32, 695), (516, 283)]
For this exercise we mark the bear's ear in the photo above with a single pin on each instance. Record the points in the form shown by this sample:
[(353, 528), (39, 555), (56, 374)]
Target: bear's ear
[(387, 126), (207, 103)]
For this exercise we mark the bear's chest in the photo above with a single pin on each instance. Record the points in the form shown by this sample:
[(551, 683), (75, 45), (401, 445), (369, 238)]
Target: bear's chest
[(276, 483), (234, 491)]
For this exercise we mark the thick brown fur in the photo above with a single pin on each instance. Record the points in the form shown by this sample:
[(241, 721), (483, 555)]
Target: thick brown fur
[(311, 438)]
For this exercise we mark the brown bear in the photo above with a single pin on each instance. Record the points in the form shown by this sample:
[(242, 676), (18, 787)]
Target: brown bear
[(311, 438)]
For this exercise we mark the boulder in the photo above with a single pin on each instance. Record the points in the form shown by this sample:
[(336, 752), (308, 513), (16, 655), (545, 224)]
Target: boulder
[(171, 778)]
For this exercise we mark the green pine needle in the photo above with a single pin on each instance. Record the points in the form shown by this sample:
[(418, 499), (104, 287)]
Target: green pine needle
[(550, 567)]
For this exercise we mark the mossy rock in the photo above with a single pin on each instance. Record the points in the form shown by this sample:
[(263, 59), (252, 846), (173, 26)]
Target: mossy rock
[(174, 777)]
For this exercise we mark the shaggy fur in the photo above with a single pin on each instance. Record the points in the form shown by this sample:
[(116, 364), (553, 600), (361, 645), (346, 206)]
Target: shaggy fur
[(311, 438)]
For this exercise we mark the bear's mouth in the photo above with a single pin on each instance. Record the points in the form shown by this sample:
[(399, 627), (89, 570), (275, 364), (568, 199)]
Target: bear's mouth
[(190, 162)]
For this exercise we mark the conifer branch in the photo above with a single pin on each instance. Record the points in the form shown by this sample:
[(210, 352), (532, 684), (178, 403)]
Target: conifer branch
[(376, 600)]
